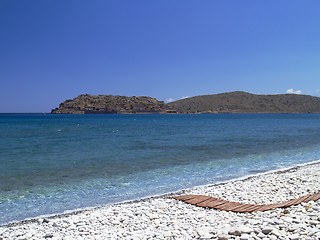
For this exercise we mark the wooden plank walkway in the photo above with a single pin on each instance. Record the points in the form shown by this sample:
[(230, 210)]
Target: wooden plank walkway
[(212, 202)]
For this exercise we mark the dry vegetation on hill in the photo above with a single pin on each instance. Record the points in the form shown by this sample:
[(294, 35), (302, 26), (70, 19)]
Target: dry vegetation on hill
[(232, 102), (103, 104), (242, 102)]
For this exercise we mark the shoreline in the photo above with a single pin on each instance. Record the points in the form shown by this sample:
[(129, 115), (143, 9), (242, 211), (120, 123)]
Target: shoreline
[(157, 196), (161, 209)]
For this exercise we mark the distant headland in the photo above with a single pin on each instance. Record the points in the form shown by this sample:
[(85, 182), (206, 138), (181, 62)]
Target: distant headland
[(231, 102)]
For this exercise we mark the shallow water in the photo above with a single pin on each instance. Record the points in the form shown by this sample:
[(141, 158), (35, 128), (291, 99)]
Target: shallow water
[(51, 163)]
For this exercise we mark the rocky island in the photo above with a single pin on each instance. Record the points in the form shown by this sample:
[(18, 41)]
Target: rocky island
[(231, 102), (106, 104)]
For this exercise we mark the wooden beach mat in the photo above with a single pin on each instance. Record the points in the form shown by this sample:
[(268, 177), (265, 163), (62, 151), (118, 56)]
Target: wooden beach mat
[(212, 202)]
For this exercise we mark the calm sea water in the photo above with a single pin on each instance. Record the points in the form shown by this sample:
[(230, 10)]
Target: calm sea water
[(52, 163)]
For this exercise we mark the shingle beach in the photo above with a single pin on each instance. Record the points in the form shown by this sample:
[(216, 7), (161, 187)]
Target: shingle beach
[(162, 217)]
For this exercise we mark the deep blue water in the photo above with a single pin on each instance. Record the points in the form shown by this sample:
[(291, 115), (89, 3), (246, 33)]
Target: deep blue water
[(51, 163)]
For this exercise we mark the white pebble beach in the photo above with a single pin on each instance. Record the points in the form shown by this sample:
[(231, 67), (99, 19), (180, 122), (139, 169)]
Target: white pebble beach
[(162, 217)]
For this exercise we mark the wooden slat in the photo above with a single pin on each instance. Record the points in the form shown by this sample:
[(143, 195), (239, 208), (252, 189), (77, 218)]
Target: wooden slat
[(235, 208), (221, 204), (250, 209), (216, 203), (242, 207), (256, 209), (279, 205), (301, 199), (185, 197), (230, 205), (205, 203), (212, 202), (316, 197), (209, 201), (308, 198), (294, 201), (266, 207), (289, 203), (196, 200)]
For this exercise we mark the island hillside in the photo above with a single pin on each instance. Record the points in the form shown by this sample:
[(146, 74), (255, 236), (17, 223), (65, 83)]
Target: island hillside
[(231, 102), (104, 104), (242, 102)]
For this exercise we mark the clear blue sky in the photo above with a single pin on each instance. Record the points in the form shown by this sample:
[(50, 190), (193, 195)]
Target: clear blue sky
[(54, 50)]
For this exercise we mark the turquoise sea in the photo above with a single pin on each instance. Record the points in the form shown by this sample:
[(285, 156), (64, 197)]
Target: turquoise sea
[(52, 163)]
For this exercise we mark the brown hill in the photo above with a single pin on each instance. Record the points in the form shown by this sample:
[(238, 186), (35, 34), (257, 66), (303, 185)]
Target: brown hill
[(242, 102), (84, 104), (232, 102)]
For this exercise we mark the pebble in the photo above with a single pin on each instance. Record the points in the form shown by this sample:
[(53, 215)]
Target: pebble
[(223, 237), (273, 237), (276, 233), (45, 220), (235, 232), (245, 229), (267, 230), (206, 236), (294, 237), (167, 234), (245, 237), (312, 222), (166, 218)]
